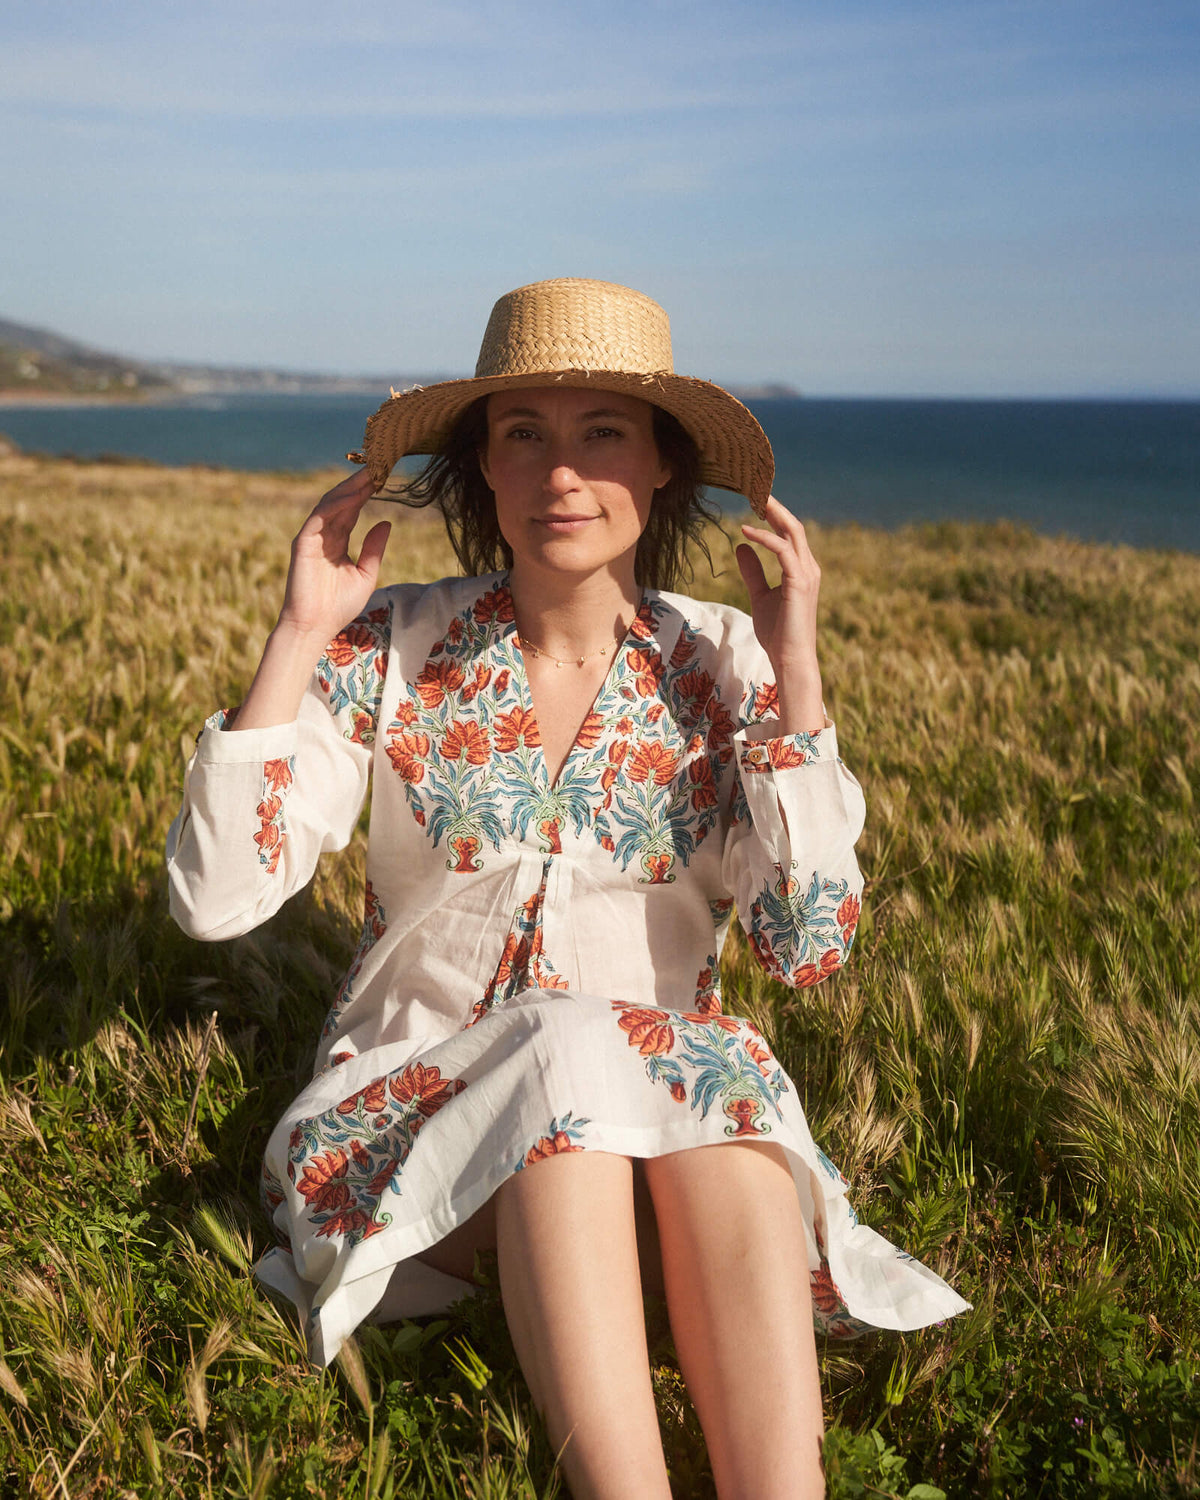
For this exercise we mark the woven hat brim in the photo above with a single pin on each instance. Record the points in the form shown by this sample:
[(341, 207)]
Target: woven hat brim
[(735, 453)]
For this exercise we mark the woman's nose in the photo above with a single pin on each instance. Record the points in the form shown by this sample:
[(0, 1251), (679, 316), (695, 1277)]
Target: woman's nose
[(561, 478)]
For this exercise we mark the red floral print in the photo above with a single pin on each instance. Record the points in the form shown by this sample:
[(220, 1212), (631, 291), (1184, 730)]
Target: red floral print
[(382, 1177), (277, 774), (475, 685), (847, 916), (766, 701), (704, 788), (708, 1002), (372, 1098), (685, 649), (269, 837), (518, 726), (785, 754), (406, 752), (651, 760), (720, 726), (436, 679), (744, 1113), (642, 628), (523, 964), (464, 847), (466, 737), (557, 1144), (355, 641), (496, 604), (648, 1030), (695, 686), (658, 868), (351, 672), (590, 731), (648, 665), (424, 1087), (323, 1180), (826, 1297)]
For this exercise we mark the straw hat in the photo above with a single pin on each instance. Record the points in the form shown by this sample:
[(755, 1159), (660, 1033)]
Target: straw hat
[(587, 334)]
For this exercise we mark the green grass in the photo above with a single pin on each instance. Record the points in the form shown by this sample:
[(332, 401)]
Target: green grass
[(1009, 1071)]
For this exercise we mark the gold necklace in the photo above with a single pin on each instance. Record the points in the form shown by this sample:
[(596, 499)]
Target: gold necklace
[(576, 661), (571, 661)]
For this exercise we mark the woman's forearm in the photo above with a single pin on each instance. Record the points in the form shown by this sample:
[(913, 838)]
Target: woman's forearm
[(801, 704), (288, 661), (325, 589)]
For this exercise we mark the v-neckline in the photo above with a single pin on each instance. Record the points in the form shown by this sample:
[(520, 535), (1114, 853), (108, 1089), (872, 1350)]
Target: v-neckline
[(643, 613)]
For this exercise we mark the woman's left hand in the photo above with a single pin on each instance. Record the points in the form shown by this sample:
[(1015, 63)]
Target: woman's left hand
[(785, 617)]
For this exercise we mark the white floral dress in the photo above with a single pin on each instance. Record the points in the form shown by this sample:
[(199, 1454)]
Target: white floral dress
[(537, 970)]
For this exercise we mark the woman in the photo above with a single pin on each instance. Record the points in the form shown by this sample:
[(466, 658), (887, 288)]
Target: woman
[(576, 776)]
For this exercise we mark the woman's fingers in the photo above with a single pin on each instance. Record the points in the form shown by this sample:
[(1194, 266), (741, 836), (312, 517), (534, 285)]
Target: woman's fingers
[(787, 540), (343, 502), (371, 553), (325, 585), (330, 524), (753, 576)]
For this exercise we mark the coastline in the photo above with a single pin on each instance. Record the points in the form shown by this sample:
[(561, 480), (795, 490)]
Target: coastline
[(1122, 473), (41, 400)]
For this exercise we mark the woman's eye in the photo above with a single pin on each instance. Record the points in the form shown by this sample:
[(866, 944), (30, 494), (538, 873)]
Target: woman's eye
[(521, 433), (604, 432)]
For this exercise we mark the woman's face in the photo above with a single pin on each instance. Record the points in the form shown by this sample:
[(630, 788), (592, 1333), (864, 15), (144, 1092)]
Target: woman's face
[(574, 474)]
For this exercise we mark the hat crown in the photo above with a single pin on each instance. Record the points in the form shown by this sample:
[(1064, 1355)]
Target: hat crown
[(575, 324)]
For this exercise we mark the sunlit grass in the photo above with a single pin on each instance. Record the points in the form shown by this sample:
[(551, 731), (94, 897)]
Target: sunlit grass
[(1009, 1071)]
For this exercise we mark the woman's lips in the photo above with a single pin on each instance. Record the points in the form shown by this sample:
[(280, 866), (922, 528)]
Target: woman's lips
[(564, 525)]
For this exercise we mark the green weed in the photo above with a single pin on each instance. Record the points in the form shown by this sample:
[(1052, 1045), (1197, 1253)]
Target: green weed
[(1009, 1071)]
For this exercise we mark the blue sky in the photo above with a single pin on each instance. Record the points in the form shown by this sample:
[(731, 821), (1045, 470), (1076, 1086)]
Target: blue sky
[(857, 198)]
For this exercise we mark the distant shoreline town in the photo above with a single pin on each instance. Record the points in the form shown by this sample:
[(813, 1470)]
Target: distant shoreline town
[(42, 367)]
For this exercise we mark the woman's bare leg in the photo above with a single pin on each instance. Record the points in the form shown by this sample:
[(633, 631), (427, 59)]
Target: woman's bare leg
[(572, 1295), (455, 1253), (736, 1272)]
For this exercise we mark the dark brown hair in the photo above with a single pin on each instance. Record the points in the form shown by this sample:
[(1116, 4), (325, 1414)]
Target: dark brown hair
[(678, 515)]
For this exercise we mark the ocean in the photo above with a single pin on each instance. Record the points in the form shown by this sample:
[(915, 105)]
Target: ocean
[(1107, 471)]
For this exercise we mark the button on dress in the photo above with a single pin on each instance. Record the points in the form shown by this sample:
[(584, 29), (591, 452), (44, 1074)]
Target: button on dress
[(538, 966)]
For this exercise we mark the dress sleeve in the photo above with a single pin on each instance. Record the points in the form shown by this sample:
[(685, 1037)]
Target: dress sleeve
[(260, 805), (789, 851)]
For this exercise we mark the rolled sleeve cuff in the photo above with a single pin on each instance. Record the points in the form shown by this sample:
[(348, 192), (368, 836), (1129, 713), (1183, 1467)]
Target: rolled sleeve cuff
[(220, 746), (761, 749)]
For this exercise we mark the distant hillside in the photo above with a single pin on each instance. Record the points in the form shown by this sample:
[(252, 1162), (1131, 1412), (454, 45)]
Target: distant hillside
[(36, 362)]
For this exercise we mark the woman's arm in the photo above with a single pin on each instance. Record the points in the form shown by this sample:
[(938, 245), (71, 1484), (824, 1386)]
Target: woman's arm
[(789, 854), (325, 589), (273, 785), (785, 617)]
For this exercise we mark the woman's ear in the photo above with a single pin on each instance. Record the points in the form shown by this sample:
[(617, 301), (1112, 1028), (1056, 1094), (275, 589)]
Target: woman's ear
[(481, 456)]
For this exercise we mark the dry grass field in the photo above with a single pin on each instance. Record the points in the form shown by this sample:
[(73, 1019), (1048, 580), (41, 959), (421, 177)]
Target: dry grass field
[(1009, 1072)]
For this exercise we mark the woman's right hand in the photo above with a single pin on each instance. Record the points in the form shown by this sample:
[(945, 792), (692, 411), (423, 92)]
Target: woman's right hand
[(326, 588)]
